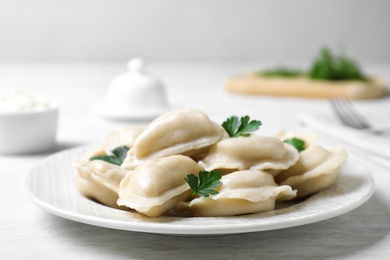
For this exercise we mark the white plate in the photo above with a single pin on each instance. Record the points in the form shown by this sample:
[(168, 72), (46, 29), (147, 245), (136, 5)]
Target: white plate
[(50, 185)]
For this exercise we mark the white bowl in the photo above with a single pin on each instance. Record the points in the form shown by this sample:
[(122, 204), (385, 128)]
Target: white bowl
[(28, 132)]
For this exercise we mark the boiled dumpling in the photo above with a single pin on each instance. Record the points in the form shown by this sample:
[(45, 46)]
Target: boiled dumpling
[(114, 139), (94, 151), (241, 192), (254, 152), (157, 185), (182, 131), (122, 137), (309, 138), (99, 180), (316, 169)]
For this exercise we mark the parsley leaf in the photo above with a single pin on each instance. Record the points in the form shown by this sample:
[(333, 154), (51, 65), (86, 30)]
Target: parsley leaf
[(243, 128), (117, 157), (298, 144), (206, 184)]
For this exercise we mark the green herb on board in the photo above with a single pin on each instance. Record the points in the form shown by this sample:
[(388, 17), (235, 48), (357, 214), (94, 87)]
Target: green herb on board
[(327, 66), (331, 67), (281, 72)]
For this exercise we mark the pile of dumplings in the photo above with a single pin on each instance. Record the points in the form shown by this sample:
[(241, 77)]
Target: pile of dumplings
[(257, 171)]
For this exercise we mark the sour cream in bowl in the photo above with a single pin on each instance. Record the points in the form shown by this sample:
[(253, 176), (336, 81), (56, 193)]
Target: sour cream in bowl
[(28, 123)]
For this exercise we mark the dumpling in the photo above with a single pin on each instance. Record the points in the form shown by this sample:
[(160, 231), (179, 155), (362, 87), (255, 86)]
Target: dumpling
[(241, 192), (125, 136), (309, 138), (114, 139), (94, 151), (182, 131), (99, 180), (316, 169), (157, 185), (253, 152)]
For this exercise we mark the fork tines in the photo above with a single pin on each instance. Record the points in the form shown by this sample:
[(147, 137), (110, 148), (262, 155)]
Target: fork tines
[(348, 114)]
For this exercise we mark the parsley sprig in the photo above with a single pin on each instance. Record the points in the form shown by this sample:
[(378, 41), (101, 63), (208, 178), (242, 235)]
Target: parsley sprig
[(117, 157), (299, 144), (243, 128), (205, 185)]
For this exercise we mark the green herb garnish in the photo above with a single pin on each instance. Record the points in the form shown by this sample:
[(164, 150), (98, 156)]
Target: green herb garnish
[(326, 66), (117, 157), (299, 144), (205, 185), (331, 67), (281, 72), (242, 128)]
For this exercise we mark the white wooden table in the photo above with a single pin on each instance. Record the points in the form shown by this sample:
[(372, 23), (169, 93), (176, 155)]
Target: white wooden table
[(28, 232)]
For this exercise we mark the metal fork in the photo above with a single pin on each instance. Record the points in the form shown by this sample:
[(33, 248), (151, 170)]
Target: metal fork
[(349, 116)]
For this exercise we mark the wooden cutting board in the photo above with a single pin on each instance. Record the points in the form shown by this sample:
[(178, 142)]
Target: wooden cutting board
[(254, 84)]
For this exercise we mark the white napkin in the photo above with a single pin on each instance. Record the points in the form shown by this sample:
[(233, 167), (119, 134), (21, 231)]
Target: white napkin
[(363, 140)]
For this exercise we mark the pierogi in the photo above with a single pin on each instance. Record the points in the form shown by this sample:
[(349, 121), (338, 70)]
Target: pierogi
[(183, 131), (241, 192), (309, 138), (99, 180), (254, 172), (125, 136), (316, 169), (157, 185), (253, 152)]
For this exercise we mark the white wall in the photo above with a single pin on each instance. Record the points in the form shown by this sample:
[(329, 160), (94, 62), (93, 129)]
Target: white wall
[(213, 30)]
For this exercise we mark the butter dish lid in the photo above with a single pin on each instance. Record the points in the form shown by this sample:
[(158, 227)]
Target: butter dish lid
[(134, 95)]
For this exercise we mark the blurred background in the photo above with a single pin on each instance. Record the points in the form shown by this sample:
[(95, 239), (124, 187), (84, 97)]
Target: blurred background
[(71, 50), (201, 30)]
